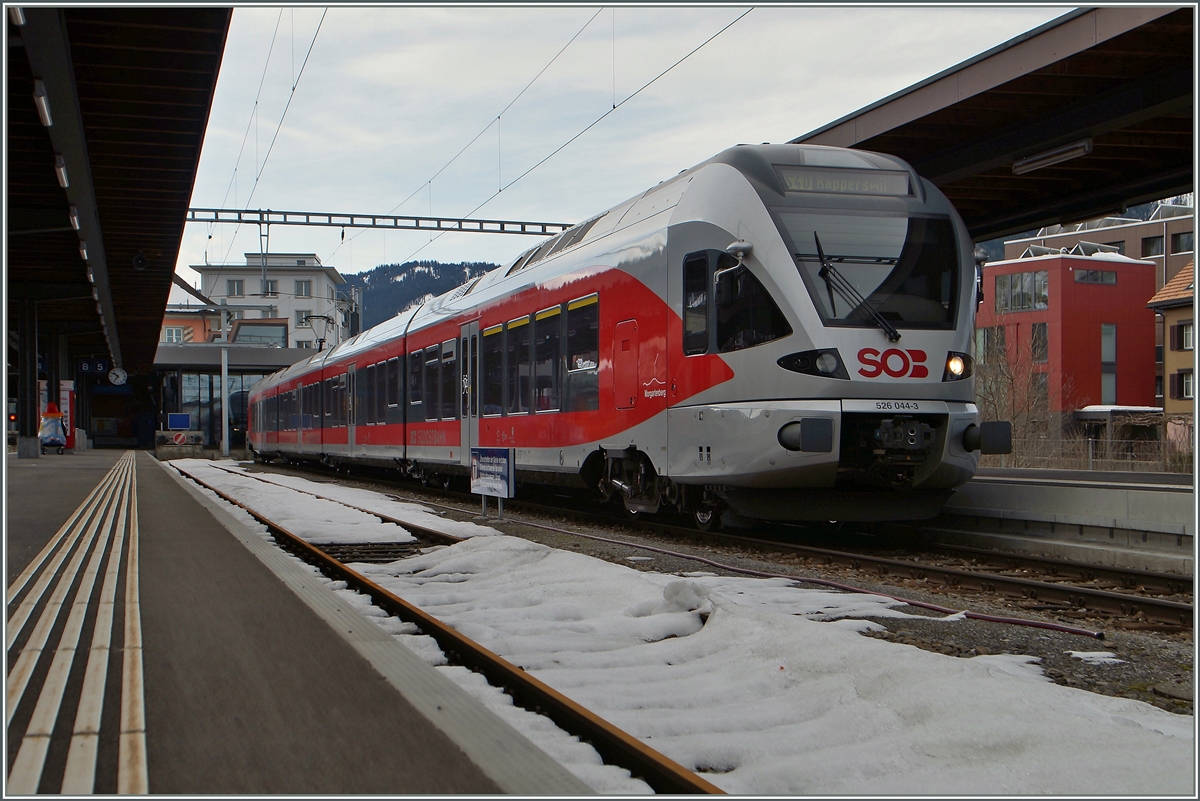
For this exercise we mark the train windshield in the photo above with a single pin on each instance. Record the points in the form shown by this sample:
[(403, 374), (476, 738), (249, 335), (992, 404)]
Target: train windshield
[(878, 270)]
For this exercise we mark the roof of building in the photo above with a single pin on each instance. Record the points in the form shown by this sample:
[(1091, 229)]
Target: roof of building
[(1176, 292), (1098, 256)]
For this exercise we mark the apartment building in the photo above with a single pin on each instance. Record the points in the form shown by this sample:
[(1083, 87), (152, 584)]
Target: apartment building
[(305, 301)]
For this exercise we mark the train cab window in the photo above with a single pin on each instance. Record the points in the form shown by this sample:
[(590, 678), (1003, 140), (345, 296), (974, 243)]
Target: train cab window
[(415, 362), (695, 304), (449, 381), (583, 354), (905, 270), (547, 343), (393, 382), (519, 367), (492, 385), (432, 360), (746, 313)]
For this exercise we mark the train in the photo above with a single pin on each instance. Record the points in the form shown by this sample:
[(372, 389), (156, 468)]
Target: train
[(782, 332)]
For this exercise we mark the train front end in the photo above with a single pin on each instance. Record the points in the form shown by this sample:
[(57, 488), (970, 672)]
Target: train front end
[(845, 308)]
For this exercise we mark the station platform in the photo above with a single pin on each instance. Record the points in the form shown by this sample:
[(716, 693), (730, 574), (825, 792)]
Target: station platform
[(157, 645)]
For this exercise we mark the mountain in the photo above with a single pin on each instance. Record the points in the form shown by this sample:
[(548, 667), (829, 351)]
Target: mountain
[(391, 288)]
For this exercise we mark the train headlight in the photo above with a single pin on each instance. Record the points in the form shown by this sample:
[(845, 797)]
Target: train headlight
[(958, 366), (824, 363)]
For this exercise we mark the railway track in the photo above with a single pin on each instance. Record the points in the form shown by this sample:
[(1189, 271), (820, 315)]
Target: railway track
[(1128, 598), (615, 746)]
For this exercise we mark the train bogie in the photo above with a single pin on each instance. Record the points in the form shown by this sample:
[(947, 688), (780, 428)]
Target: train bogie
[(783, 331)]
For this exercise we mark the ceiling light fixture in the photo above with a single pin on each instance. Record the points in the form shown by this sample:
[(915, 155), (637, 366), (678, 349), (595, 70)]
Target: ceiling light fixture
[(42, 102), (1054, 156), (60, 169), (83, 250), (74, 215), (17, 16), (91, 278), (95, 294)]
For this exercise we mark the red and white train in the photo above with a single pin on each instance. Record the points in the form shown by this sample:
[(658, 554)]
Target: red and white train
[(783, 331)]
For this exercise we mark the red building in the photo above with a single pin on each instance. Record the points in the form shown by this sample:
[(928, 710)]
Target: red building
[(1073, 328)]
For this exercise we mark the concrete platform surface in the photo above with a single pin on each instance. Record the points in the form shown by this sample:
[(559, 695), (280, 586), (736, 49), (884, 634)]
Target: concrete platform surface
[(257, 678)]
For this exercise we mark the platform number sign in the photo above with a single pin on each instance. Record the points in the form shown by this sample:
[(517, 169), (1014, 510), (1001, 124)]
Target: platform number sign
[(92, 366)]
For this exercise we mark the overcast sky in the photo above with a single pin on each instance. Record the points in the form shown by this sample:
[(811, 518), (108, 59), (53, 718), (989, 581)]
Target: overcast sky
[(389, 96)]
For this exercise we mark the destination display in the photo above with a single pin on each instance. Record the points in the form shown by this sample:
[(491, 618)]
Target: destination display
[(840, 181)]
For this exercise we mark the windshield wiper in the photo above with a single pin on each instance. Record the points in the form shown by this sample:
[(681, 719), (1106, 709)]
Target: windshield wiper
[(836, 282)]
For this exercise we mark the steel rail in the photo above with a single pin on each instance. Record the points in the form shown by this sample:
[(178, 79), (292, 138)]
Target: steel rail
[(615, 746)]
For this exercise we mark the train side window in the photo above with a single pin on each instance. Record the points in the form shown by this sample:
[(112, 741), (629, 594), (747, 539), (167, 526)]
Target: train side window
[(695, 304), (370, 393), (450, 381), (393, 382), (583, 354), (381, 392), (432, 359), (519, 367), (327, 404), (493, 370), (547, 343), (415, 361), (747, 315)]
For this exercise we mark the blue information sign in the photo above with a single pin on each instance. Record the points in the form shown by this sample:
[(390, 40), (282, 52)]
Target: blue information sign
[(492, 472), (177, 421)]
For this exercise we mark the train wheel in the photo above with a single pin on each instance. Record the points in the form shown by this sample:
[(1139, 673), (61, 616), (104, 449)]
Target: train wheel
[(706, 517)]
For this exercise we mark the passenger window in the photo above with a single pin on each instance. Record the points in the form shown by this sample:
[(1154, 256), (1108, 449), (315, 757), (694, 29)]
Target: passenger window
[(449, 381), (370, 382), (746, 313), (432, 359), (583, 354), (695, 304), (393, 382), (547, 333), (415, 360), (493, 370), (519, 367)]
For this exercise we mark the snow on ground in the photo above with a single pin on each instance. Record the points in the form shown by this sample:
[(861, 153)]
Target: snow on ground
[(211, 473), (765, 686)]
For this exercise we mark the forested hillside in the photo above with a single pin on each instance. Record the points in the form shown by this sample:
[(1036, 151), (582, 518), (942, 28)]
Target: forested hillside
[(391, 288)]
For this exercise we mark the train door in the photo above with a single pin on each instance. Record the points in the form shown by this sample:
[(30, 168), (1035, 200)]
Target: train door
[(468, 357), (625, 364), (352, 407)]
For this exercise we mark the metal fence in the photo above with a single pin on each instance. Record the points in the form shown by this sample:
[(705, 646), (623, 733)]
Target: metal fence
[(1136, 455)]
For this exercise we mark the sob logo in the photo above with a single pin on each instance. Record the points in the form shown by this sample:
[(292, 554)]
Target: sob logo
[(895, 362)]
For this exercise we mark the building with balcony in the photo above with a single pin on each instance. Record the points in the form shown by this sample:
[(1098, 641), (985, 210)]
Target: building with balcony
[(309, 300)]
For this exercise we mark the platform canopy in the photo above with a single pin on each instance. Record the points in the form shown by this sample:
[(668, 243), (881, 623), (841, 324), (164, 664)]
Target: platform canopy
[(1094, 108), (126, 93)]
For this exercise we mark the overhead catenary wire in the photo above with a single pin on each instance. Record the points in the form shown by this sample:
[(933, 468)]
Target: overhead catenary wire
[(591, 125), (260, 168), (494, 121)]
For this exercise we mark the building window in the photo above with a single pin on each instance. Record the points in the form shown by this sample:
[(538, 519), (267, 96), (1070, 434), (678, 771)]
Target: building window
[(1158, 386), (1095, 277), (990, 345), (1181, 242), (1022, 291), (1152, 246), (1039, 345), (299, 262), (304, 289), (271, 288), (1181, 385), (235, 288), (270, 313), (304, 343), (1108, 363), (1185, 335), (173, 335), (302, 316)]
